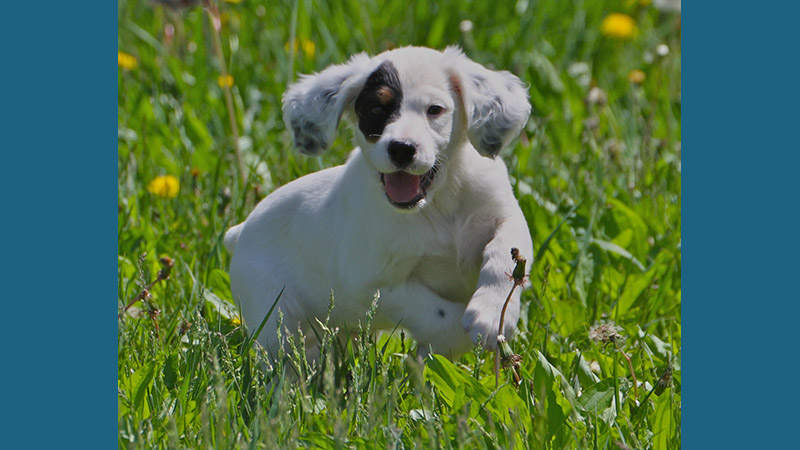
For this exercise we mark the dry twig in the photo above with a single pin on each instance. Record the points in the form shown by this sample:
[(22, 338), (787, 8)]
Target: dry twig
[(163, 274), (509, 358)]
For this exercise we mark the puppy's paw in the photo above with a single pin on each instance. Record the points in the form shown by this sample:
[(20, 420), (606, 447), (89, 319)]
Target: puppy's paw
[(482, 322), (482, 331)]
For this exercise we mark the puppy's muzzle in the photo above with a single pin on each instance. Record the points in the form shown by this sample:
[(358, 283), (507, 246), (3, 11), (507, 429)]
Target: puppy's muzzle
[(401, 153), (405, 190)]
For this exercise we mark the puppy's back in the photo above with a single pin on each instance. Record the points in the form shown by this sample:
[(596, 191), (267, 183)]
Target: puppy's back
[(231, 236)]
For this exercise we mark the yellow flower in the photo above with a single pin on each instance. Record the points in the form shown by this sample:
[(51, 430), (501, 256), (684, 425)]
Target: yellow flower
[(225, 81), (126, 61), (308, 47), (236, 320), (619, 26), (636, 76), (234, 1), (166, 186)]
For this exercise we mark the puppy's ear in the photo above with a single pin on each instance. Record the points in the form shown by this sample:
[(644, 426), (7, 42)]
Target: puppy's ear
[(313, 106), (495, 103)]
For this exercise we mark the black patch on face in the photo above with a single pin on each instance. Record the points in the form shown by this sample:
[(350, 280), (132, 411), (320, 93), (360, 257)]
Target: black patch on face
[(378, 104), (441, 313)]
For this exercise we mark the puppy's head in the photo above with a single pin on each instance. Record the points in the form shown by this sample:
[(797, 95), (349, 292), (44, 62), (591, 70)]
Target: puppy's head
[(413, 107)]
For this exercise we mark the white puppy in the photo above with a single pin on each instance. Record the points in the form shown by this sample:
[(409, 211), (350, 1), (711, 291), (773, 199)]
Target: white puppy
[(422, 211)]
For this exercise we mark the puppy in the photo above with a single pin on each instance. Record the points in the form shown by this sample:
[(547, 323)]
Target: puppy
[(422, 211)]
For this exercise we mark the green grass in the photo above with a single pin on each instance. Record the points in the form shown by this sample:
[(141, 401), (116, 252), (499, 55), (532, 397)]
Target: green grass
[(599, 183)]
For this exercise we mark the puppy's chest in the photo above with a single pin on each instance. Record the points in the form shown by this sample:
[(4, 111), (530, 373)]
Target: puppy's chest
[(436, 255), (444, 276), (440, 267)]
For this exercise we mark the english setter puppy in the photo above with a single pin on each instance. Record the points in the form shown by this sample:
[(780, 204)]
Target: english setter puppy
[(422, 211)]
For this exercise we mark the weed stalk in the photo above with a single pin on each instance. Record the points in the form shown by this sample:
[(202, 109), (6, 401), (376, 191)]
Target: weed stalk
[(509, 358), (163, 274)]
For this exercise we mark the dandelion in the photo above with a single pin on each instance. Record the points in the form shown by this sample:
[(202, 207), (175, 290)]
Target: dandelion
[(620, 26), (169, 33), (225, 81), (308, 47), (596, 96), (605, 332), (126, 61), (636, 76), (236, 320), (166, 186)]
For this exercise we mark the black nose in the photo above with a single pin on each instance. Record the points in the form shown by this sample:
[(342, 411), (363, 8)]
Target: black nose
[(402, 152)]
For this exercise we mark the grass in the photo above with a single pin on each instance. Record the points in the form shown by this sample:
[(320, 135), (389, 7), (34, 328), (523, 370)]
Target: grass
[(596, 171)]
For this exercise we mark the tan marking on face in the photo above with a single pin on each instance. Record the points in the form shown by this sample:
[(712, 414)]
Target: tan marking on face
[(455, 86), (384, 94)]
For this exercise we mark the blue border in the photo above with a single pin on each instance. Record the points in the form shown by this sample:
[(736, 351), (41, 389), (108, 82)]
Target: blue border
[(58, 141), (741, 182)]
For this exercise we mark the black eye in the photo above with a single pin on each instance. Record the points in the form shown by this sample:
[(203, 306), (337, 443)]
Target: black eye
[(435, 110), (376, 110)]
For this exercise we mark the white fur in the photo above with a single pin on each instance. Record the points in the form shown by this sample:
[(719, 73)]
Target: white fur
[(441, 266)]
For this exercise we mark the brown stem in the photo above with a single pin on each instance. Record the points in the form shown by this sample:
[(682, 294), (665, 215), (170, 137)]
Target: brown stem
[(518, 277), (633, 374), (163, 274), (499, 332), (505, 305), (145, 292)]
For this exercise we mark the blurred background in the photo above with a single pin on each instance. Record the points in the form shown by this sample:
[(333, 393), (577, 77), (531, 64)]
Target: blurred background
[(561, 48), (596, 171)]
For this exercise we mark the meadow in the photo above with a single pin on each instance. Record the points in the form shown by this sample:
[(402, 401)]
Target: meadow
[(597, 171)]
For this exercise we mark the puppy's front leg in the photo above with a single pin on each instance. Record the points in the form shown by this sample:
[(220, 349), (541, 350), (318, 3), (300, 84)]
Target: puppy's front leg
[(433, 321), (482, 316)]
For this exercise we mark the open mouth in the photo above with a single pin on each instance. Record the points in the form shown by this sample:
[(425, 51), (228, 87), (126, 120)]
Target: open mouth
[(405, 190)]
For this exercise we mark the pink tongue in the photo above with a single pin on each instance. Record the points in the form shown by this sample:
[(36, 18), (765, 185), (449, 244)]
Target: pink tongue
[(401, 187)]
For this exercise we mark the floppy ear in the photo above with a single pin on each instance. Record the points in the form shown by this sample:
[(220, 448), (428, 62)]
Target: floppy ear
[(495, 102), (313, 106)]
